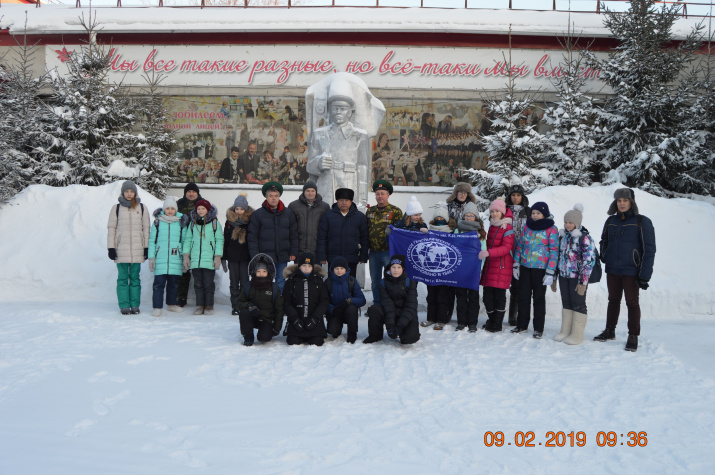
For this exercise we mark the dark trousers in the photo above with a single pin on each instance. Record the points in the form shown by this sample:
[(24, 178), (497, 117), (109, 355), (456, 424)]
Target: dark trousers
[(309, 340), (617, 285), (171, 284), (531, 281), (248, 323), (467, 306), (348, 315), (184, 282), (494, 300), (204, 286), (440, 303), (570, 299), (376, 323), (238, 277)]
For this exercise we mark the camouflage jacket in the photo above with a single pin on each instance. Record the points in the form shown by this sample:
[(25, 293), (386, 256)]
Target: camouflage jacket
[(377, 221)]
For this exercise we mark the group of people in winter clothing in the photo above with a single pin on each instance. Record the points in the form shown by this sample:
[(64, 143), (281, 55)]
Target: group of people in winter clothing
[(523, 251)]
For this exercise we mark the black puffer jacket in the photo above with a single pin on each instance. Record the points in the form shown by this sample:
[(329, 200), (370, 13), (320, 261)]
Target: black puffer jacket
[(627, 249), (344, 236), (400, 303), (294, 300), (308, 219), (273, 232), (235, 244)]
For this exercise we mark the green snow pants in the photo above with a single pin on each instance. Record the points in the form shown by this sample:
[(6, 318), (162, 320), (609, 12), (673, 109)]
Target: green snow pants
[(129, 287)]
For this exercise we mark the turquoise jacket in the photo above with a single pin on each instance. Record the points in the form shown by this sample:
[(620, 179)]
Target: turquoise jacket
[(203, 241), (165, 245)]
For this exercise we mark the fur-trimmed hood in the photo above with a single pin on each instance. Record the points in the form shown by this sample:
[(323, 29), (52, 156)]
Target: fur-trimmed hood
[(239, 234), (623, 193), (262, 258), (467, 188), (293, 268)]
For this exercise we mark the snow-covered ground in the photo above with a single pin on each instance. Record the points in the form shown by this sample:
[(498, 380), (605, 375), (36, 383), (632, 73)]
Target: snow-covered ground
[(84, 390)]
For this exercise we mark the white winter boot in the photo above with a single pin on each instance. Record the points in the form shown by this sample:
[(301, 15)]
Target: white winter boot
[(566, 322), (156, 312), (174, 308), (199, 310), (577, 329)]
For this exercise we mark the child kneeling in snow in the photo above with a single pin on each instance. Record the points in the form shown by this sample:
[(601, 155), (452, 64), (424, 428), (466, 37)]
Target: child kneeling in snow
[(305, 301), (260, 303), (346, 298), (397, 310), (165, 253), (203, 246), (577, 256)]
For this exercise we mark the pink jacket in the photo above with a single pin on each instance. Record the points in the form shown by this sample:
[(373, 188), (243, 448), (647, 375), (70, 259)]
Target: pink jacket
[(497, 268)]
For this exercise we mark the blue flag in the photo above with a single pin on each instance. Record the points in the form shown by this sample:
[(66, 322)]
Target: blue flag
[(438, 258)]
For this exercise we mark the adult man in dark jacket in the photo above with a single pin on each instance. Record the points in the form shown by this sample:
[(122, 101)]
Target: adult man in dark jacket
[(628, 250), (308, 209), (186, 206), (343, 232), (229, 168), (248, 164), (273, 230)]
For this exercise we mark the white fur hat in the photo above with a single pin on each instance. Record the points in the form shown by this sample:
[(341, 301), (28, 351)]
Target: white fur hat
[(413, 207)]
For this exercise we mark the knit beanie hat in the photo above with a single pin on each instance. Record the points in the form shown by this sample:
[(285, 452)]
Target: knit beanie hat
[(204, 203), (306, 258), (340, 261), (575, 215), (241, 201), (129, 185), (413, 207), (441, 212), (470, 208), (397, 259), (499, 205), (191, 187), (541, 207), (262, 265), (310, 184), (170, 202)]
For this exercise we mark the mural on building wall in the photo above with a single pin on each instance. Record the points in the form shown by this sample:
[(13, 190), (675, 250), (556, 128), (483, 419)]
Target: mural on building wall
[(421, 142)]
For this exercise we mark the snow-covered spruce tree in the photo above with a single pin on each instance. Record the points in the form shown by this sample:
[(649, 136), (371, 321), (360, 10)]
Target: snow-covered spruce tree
[(93, 118), (570, 143), (154, 158), (642, 117)]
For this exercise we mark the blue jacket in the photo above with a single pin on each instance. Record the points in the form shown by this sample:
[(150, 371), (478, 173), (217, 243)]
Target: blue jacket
[(165, 245), (340, 235), (341, 291), (624, 248)]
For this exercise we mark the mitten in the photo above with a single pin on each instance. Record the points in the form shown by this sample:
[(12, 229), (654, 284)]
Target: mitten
[(392, 331), (643, 283), (187, 262), (217, 262), (253, 310), (112, 253), (152, 264), (312, 322), (298, 324), (515, 272), (483, 254), (548, 280), (581, 289), (224, 263)]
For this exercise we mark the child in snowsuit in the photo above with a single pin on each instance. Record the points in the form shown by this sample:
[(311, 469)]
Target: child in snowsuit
[(440, 298), (397, 310), (185, 206), (468, 299), (166, 261), (203, 246), (346, 298), (535, 265), (577, 256), (260, 304), (235, 257), (305, 301), (498, 260), (128, 245)]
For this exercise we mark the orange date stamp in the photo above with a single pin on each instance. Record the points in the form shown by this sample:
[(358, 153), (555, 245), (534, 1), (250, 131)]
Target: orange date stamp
[(567, 439)]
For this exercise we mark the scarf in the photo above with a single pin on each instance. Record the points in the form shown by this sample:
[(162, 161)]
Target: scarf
[(539, 225), (238, 222), (168, 219), (500, 222), (440, 227), (126, 203), (261, 283), (468, 226)]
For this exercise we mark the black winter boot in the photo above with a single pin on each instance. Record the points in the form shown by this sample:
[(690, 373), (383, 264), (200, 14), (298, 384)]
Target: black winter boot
[(632, 343), (352, 337), (248, 340), (372, 339), (608, 334), (494, 325), (513, 311)]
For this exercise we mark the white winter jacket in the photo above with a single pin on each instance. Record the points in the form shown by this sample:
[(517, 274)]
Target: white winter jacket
[(128, 233)]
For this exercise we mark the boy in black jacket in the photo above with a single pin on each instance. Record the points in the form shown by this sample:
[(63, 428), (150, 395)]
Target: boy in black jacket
[(397, 310), (260, 304), (305, 301)]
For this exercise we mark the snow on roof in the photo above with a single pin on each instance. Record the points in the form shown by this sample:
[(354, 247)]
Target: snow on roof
[(64, 19)]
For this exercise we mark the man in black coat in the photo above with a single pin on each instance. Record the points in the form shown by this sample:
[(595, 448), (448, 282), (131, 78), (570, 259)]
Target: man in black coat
[(248, 164), (273, 230), (343, 232), (628, 250), (229, 168), (308, 209)]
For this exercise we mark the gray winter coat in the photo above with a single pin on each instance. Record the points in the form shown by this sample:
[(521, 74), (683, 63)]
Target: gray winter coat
[(128, 233), (308, 218)]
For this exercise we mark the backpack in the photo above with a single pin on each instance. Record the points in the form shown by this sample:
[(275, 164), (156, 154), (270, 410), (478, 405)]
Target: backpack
[(156, 235), (247, 289), (597, 271)]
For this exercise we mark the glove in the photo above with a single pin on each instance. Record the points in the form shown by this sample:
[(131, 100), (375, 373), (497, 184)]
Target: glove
[(253, 310), (643, 283), (483, 254), (217, 262), (152, 264), (146, 253), (224, 263), (392, 331), (311, 323), (581, 289), (298, 324), (515, 273), (112, 253), (548, 280), (187, 262)]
